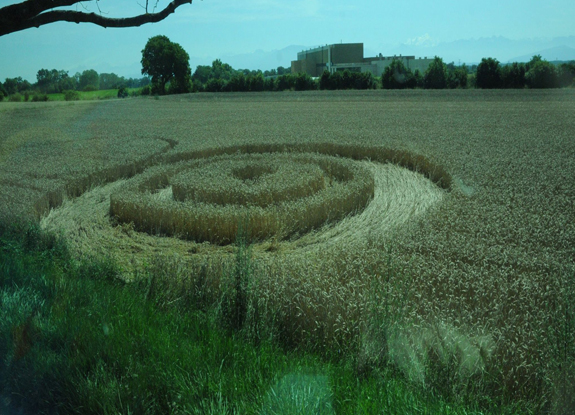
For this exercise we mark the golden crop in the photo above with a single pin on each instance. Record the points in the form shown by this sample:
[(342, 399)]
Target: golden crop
[(459, 259), (210, 200)]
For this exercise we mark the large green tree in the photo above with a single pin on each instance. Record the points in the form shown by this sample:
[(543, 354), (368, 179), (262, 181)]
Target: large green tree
[(14, 85), (488, 74), (397, 76), (436, 75), (513, 75), (166, 62), (541, 74), (53, 80), (36, 13), (89, 79)]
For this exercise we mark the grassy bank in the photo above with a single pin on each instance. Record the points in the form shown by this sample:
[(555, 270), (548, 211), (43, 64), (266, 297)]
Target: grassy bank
[(73, 339), (91, 95)]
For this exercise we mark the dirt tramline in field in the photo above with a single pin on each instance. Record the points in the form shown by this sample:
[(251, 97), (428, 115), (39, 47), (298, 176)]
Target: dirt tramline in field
[(461, 277)]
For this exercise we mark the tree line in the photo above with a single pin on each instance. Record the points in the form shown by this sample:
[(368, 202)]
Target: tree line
[(537, 73), (59, 81), (166, 70)]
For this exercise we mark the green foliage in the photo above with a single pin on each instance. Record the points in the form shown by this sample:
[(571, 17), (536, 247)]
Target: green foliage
[(70, 95), (257, 83), (285, 82), (269, 84), (303, 82), (15, 97), (363, 80), (535, 59), (222, 77), (50, 81), (166, 62), (513, 76), (111, 81), (14, 85), (488, 74), (346, 80), (214, 85), (419, 79), (566, 74), (542, 74), (89, 88), (66, 83), (38, 97), (397, 76), (457, 77), (237, 83), (324, 80), (283, 71), (147, 90), (89, 79), (123, 92), (436, 75)]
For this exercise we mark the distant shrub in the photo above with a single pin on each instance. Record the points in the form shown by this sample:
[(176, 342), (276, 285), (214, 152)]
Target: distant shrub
[(419, 79), (123, 92), (256, 83), (15, 97), (363, 80), (89, 88), (237, 83), (324, 80), (345, 80), (147, 90), (269, 84), (542, 74), (196, 87), (26, 96), (303, 82), (566, 74), (214, 85), (284, 82), (39, 97), (71, 95)]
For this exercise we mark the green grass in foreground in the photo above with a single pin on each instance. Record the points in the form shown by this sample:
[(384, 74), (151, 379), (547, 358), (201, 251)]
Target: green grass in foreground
[(73, 339)]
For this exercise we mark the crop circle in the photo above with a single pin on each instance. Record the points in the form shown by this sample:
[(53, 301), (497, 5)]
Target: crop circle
[(269, 195), (259, 180)]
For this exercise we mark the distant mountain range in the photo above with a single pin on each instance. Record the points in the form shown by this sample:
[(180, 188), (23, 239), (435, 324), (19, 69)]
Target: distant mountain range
[(559, 53), (264, 60)]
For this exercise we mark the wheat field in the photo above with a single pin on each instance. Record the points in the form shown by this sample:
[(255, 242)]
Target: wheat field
[(430, 230)]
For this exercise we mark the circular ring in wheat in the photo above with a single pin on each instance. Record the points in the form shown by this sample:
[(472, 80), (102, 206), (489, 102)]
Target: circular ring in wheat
[(270, 195)]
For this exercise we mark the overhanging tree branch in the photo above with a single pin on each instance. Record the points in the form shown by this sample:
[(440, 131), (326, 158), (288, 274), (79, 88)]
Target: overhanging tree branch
[(36, 13)]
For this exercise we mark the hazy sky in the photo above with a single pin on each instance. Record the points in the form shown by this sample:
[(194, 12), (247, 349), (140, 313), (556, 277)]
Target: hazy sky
[(213, 28)]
